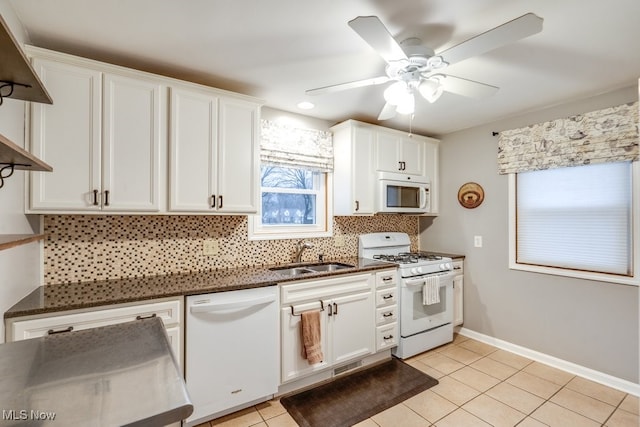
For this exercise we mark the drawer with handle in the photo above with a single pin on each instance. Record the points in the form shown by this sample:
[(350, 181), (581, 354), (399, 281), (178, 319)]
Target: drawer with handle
[(386, 278), (386, 297), (386, 336), (386, 315)]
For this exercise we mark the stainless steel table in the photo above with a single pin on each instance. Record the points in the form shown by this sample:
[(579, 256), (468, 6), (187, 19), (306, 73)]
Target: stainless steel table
[(115, 375)]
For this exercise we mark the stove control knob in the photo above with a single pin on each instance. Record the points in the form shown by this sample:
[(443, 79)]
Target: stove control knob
[(448, 266), (443, 267), (419, 270), (414, 270)]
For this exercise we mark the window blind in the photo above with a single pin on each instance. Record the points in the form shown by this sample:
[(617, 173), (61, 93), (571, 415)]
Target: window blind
[(576, 218), (282, 145)]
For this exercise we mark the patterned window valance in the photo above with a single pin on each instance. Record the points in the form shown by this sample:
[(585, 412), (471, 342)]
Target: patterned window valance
[(288, 146), (608, 135)]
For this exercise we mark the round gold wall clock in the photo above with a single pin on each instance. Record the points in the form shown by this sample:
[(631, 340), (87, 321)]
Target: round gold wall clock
[(470, 195)]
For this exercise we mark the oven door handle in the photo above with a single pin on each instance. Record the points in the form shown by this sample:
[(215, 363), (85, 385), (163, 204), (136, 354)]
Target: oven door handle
[(415, 282)]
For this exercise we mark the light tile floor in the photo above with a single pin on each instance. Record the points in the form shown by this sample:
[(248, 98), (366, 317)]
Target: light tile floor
[(481, 385)]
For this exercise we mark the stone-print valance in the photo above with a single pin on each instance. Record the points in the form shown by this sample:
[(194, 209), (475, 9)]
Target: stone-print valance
[(608, 135), (288, 146)]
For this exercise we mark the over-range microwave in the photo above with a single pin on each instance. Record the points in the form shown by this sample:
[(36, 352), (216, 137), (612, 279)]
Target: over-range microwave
[(399, 193)]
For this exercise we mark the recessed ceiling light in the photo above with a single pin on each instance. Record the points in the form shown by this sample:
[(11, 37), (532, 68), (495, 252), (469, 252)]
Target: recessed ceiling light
[(305, 105)]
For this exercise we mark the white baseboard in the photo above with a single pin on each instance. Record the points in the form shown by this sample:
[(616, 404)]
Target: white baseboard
[(588, 373)]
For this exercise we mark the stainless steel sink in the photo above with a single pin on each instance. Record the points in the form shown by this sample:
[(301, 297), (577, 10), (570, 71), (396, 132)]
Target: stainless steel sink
[(292, 271), (310, 268), (329, 267)]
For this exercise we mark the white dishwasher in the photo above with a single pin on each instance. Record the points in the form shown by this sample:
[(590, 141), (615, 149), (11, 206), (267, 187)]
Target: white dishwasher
[(232, 358)]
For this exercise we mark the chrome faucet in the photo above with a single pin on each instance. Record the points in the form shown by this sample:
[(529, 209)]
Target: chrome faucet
[(300, 247)]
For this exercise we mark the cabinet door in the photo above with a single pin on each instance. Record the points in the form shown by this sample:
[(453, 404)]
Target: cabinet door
[(238, 165), (388, 152), (362, 171), (352, 327), (293, 365), (67, 136), (432, 171), (412, 155), (458, 299), (131, 144), (193, 151)]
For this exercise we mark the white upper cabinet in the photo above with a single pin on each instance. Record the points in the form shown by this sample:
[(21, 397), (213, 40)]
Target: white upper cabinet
[(400, 153), (361, 150), (106, 137), (103, 136), (214, 152), (354, 177), (193, 152), (68, 135), (131, 144)]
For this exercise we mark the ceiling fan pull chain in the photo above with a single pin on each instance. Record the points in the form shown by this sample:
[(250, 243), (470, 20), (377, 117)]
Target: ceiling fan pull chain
[(411, 124)]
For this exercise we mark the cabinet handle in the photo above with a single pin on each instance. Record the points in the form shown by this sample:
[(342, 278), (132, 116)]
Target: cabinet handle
[(388, 296), (357, 205), (404, 165), (213, 201), (330, 310), (106, 197), (95, 197), (151, 316), (388, 337), (387, 278), (387, 315), (61, 331), (335, 308), (457, 268), (219, 202)]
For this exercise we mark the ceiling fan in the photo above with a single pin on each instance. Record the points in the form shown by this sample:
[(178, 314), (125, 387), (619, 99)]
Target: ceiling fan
[(413, 67)]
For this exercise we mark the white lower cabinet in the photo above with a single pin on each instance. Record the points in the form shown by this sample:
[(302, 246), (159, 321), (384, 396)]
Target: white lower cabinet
[(458, 292), (347, 322), (169, 310)]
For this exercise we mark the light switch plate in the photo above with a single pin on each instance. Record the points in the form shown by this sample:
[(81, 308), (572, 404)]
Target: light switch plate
[(477, 241), (210, 247)]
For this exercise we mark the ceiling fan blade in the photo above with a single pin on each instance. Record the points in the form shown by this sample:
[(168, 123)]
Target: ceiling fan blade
[(509, 32), (350, 85), (373, 31), (388, 111), (468, 88)]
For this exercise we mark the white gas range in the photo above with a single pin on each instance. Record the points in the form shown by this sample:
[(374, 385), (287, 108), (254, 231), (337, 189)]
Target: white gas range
[(426, 291)]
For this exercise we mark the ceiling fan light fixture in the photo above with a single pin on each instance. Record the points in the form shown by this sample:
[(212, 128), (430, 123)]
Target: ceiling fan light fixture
[(431, 89), (396, 93), (408, 105)]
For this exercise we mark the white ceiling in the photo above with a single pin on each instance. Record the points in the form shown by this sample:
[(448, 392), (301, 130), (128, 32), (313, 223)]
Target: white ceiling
[(277, 49)]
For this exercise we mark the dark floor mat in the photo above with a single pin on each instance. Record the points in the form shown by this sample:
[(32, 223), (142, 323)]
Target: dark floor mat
[(356, 397)]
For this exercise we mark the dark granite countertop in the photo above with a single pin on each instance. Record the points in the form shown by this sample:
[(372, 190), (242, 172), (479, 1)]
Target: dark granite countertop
[(444, 254), (61, 297)]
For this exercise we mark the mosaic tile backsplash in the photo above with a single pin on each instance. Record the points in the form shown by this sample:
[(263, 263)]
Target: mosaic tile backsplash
[(81, 248)]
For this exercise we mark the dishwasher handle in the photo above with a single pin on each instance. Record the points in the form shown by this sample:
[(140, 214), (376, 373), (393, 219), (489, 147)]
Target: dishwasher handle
[(231, 305)]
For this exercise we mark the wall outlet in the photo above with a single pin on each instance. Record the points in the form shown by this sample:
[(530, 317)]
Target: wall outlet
[(338, 241), (210, 247), (477, 241)]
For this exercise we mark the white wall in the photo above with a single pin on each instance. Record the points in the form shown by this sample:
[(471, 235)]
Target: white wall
[(593, 324), (20, 267)]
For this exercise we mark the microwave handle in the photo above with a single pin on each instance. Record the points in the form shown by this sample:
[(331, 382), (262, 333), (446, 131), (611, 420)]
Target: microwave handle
[(424, 197)]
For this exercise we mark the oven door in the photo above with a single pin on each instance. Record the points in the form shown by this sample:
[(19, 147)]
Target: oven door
[(415, 317)]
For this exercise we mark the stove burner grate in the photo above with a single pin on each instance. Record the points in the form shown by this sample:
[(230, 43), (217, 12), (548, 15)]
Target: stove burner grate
[(408, 257)]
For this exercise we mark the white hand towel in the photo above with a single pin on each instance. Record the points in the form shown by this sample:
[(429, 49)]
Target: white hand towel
[(431, 290)]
